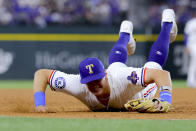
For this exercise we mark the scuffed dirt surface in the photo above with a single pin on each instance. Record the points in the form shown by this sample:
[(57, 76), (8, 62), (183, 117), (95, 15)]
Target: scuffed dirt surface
[(19, 102)]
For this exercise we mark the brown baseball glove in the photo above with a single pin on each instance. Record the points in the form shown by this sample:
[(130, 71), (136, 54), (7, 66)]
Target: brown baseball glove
[(148, 106)]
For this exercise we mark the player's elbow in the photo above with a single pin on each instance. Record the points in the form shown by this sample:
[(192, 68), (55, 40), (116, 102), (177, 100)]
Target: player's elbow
[(39, 72), (41, 77), (160, 74), (42, 74), (165, 79), (166, 74), (160, 77)]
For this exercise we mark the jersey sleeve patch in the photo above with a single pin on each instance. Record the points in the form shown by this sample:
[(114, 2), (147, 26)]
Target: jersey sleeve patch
[(56, 81), (60, 83), (133, 77)]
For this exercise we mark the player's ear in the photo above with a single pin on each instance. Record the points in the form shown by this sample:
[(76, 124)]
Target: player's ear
[(106, 77)]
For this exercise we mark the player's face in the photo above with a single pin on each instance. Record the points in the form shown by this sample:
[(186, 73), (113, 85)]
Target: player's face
[(95, 87)]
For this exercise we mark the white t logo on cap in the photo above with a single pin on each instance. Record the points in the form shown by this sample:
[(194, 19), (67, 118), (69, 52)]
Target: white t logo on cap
[(89, 67)]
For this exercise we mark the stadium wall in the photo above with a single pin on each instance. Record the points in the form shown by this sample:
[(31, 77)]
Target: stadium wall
[(23, 52)]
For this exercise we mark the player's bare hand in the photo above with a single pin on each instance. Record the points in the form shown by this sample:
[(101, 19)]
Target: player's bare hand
[(41, 109)]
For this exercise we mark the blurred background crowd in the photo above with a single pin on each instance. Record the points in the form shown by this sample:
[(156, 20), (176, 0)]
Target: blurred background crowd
[(43, 13)]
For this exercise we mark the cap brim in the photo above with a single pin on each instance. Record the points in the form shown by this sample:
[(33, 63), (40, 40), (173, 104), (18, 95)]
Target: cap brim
[(92, 78)]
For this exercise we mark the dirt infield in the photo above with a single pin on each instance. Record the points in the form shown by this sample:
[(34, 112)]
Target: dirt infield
[(19, 102)]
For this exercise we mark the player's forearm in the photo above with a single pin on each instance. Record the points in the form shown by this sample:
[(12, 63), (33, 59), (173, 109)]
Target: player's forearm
[(160, 77), (163, 81), (39, 87)]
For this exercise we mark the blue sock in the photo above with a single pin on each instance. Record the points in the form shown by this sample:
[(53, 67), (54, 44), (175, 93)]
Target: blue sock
[(160, 49), (119, 50)]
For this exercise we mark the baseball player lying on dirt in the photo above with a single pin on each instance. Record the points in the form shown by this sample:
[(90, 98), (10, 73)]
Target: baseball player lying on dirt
[(118, 87)]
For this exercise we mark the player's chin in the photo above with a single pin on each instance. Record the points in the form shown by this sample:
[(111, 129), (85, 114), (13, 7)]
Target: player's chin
[(99, 93)]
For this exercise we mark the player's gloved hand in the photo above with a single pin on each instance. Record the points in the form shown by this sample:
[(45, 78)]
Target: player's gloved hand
[(148, 106), (41, 109)]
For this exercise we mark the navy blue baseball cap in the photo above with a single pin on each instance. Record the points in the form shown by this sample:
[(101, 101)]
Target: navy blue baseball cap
[(91, 69)]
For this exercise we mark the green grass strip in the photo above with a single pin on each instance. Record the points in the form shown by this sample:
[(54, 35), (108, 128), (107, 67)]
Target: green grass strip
[(28, 84), (179, 83), (16, 84), (54, 124)]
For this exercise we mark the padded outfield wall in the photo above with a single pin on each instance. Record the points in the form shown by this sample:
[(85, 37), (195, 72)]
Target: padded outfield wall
[(23, 51)]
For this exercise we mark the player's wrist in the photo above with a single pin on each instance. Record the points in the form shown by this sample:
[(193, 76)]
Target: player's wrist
[(165, 96), (165, 93), (39, 99)]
